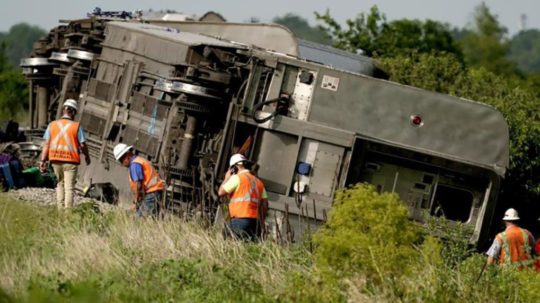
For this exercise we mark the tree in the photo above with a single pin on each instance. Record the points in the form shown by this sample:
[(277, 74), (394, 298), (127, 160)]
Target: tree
[(484, 43), (525, 50), (13, 88), (372, 34), (19, 40), (3, 59), (301, 28)]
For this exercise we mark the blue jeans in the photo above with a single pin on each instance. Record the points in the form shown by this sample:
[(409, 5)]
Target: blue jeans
[(150, 204), (244, 228)]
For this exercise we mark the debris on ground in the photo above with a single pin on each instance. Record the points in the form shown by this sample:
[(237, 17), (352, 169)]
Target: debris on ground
[(103, 192)]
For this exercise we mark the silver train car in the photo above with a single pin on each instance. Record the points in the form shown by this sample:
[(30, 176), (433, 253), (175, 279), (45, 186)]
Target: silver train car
[(187, 95)]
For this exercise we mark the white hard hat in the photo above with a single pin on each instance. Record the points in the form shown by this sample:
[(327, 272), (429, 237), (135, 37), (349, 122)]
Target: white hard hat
[(511, 215), (71, 103), (236, 158), (120, 149)]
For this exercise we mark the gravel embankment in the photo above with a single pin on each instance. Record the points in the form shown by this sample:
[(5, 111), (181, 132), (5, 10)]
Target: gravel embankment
[(47, 196)]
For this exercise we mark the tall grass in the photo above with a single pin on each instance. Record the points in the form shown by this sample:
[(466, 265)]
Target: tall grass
[(116, 255), (368, 252)]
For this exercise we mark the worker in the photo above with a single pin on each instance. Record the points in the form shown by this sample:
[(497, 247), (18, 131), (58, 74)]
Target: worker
[(145, 182), (512, 246), (64, 141), (537, 254), (248, 202)]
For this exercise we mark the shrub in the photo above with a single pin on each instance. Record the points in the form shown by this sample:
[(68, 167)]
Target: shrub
[(455, 236), (367, 232)]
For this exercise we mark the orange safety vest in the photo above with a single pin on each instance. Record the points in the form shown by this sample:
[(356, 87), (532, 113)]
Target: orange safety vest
[(151, 180), (63, 141), (244, 202), (537, 253), (515, 247)]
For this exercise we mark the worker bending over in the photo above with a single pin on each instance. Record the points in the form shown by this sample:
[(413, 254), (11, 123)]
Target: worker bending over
[(144, 180)]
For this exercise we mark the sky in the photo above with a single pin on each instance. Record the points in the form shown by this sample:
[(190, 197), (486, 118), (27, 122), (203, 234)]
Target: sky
[(456, 12)]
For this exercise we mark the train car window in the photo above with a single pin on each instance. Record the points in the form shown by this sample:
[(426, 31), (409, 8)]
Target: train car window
[(452, 203)]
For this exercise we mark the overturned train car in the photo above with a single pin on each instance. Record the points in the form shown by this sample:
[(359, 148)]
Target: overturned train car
[(187, 95)]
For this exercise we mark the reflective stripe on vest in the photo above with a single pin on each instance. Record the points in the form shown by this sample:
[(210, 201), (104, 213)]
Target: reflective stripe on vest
[(245, 199), (151, 180), (64, 142), (509, 257)]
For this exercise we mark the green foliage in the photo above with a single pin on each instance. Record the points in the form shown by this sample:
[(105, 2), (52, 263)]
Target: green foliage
[(87, 216), (14, 45), (20, 228), (375, 36), (428, 270), (435, 72), (167, 281), (13, 88), (366, 232), (484, 44), (19, 40), (455, 239), (316, 287), (301, 28), (525, 50)]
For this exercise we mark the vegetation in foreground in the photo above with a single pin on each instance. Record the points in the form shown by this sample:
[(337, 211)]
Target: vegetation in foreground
[(368, 251)]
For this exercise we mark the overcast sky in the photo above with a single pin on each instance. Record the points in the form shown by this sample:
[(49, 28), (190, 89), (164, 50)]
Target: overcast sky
[(456, 12)]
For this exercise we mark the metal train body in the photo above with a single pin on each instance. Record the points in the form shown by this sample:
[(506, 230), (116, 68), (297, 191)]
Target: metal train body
[(187, 95)]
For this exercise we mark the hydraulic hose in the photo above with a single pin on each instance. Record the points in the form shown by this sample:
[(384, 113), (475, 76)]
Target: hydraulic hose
[(281, 108)]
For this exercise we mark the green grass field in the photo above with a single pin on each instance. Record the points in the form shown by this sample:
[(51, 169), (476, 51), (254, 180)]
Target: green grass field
[(84, 255)]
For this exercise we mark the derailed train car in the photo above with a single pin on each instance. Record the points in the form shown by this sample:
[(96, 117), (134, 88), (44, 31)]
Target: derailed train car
[(187, 95)]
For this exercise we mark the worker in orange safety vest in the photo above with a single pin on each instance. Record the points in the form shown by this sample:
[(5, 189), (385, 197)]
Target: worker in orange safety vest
[(248, 202), (144, 180), (537, 254), (514, 246), (64, 141)]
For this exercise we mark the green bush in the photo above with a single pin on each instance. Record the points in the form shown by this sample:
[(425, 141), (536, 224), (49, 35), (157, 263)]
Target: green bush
[(13, 89), (369, 233), (455, 236)]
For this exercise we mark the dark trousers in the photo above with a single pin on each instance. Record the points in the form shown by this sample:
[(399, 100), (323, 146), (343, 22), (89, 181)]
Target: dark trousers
[(244, 228), (150, 204)]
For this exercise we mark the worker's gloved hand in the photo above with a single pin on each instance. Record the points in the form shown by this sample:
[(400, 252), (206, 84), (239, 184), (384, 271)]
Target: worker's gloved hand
[(42, 166)]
